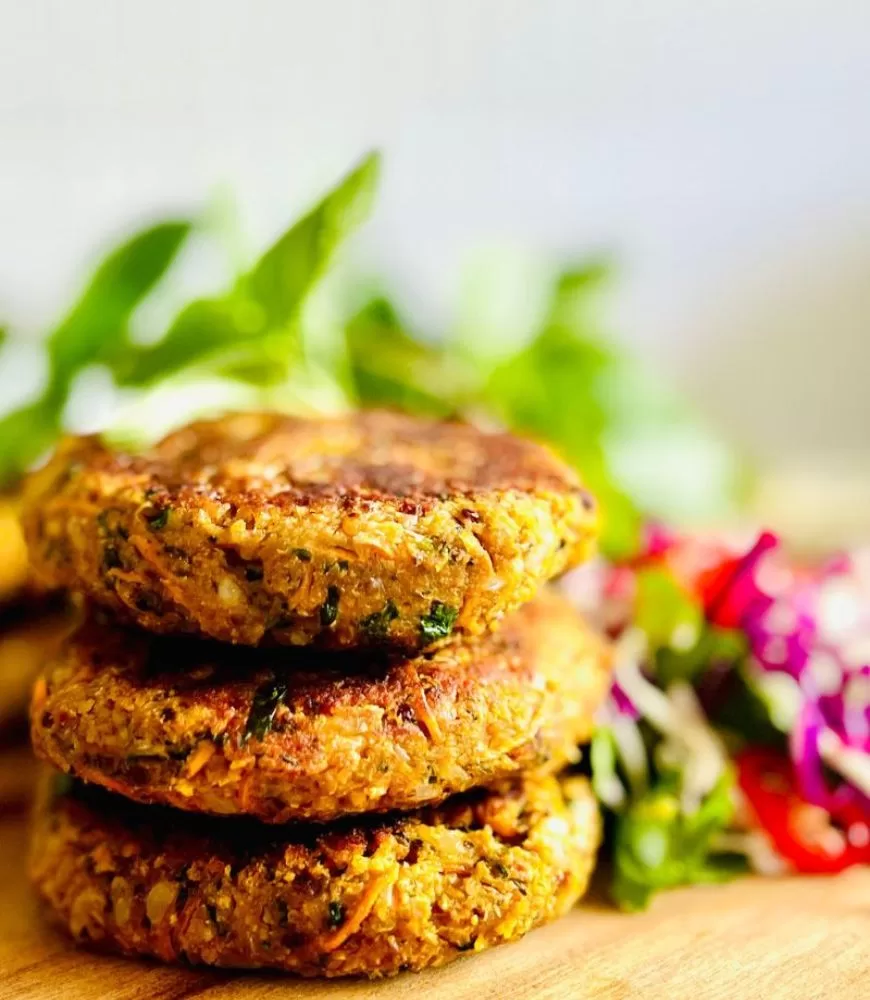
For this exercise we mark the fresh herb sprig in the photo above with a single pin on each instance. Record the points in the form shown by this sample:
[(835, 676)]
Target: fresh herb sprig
[(95, 330), (223, 335)]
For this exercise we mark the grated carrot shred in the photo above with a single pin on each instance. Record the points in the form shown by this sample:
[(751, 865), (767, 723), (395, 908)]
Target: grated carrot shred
[(40, 694), (146, 548), (200, 757), (377, 884), (422, 709)]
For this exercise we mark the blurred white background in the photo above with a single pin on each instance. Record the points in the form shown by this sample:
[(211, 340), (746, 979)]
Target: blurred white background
[(719, 151)]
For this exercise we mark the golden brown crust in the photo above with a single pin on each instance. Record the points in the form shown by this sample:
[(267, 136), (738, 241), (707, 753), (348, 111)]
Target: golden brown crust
[(288, 734), (372, 528), (369, 898)]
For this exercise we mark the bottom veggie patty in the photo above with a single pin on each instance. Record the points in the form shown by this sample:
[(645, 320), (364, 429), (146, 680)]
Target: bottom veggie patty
[(368, 897)]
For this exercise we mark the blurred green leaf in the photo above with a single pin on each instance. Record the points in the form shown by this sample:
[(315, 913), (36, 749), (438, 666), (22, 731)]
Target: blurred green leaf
[(715, 648), (94, 331), (547, 388), (25, 434), (269, 295), (658, 846), (99, 321), (200, 328), (550, 390), (665, 611), (390, 368), (552, 378), (283, 275), (603, 763), (743, 714)]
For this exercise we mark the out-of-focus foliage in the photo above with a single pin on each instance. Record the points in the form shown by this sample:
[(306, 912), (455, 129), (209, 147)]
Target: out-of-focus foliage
[(659, 846), (265, 301), (95, 329), (225, 334), (260, 342)]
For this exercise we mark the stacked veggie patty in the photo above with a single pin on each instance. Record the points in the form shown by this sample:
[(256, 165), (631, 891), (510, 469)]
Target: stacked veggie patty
[(334, 637)]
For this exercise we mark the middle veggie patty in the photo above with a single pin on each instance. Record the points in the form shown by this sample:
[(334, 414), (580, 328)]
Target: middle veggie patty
[(285, 734)]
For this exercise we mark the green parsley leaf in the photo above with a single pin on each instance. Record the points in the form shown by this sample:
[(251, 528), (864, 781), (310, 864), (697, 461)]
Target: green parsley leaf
[(391, 368), (159, 519), (329, 608), (439, 622), (282, 276), (335, 915), (377, 624), (267, 698)]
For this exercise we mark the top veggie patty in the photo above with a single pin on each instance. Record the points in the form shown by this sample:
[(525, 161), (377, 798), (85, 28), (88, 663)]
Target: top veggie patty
[(366, 529)]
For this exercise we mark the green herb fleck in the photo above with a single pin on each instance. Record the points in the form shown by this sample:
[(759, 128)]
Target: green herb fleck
[(302, 554), (329, 608), (335, 917), (439, 622), (267, 698), (158, 520), (377, 625), (340, 564)]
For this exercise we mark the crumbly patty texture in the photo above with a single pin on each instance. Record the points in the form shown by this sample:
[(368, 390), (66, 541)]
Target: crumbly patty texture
[(367, 529), (287, 735), (369, 898)]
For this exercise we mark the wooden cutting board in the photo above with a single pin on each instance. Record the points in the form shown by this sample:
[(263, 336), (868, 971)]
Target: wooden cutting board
[(788, 939)]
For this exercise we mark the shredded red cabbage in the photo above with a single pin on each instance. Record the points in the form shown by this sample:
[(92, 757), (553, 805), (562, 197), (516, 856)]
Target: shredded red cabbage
[(621, 704), (812, 625)]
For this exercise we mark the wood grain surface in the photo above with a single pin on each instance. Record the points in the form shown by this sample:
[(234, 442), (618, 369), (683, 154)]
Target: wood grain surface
[(788, 939)]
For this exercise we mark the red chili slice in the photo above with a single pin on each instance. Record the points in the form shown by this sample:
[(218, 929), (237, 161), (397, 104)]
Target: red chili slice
[(811, 839)]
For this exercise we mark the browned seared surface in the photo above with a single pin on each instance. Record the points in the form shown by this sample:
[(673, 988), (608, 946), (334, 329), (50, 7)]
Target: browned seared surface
[(366, 529)]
